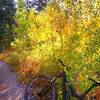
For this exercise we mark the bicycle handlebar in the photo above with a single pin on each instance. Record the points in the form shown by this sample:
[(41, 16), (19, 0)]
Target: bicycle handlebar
[(97, 83), (61, 62)]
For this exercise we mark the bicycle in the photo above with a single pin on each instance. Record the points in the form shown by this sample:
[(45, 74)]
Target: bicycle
[(44, 87)]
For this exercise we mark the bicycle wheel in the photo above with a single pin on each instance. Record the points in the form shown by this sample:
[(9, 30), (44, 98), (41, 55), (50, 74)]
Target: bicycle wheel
[(36, 85)]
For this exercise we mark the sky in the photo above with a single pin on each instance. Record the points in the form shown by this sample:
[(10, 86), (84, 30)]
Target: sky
[(28, 5)]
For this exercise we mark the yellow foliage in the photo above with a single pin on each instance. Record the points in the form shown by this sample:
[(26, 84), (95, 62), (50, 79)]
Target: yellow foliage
[(44, 37)]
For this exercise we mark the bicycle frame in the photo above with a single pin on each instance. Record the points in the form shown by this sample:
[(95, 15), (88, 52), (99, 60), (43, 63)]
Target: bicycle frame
[(73, 91), (82, 96), (65, 93)]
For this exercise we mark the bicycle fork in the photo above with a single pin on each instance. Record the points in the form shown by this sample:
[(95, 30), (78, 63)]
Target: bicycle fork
[(65, 93)]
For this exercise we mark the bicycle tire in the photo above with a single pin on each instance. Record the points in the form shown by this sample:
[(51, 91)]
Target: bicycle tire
[(36, 85)]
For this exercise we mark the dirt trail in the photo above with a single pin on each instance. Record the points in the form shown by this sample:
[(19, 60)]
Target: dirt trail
[(10, 89)]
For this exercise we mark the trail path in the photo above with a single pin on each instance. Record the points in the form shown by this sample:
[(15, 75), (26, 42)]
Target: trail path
[(10, 89)]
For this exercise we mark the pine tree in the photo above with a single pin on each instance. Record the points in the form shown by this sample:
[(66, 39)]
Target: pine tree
[(7, 11)]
